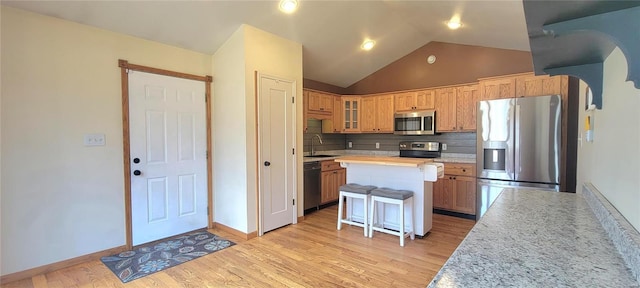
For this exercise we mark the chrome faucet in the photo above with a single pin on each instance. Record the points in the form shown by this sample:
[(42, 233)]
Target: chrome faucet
[(319, 140)]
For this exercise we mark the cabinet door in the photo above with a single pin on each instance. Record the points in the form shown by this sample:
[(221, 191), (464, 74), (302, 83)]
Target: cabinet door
[(320, 102), (538, 85), (425, 99), (337, 114), (315, 101), (446, 110), (498, 88), (351, 112), (368, 114), (326, 103), (305, 105), (326, 184), (464, 197), (405, 101), (466, 105), (443, 190), (384, 113)]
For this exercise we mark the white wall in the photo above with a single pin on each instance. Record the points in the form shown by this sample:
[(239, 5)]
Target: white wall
[(610, 162), (247, 51), (60, 80)]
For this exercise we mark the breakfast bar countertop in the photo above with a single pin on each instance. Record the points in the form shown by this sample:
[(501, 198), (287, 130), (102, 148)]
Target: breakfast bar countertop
[(533, 238), (385, 160)]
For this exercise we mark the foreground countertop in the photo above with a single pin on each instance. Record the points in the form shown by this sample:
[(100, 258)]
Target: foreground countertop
[(384, 160), (532, 238)]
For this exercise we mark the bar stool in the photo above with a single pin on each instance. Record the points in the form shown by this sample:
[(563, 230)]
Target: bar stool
[(395, 197), (354, 191)]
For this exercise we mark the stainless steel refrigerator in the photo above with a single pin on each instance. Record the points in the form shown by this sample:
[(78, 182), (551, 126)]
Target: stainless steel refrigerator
[(518, 145)]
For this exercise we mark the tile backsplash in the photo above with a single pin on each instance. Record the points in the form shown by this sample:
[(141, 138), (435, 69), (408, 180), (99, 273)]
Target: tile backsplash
[(464, 143)]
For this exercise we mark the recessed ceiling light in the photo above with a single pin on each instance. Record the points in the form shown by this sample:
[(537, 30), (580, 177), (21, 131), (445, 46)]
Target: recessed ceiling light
[(288, 6), (454, 24), (368, 44)]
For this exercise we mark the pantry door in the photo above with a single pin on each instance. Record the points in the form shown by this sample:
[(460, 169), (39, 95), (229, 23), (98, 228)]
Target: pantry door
[(168, 156), (276, 141)]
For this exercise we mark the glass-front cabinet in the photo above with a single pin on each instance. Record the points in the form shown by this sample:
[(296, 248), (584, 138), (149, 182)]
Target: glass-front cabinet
[(351, 113)]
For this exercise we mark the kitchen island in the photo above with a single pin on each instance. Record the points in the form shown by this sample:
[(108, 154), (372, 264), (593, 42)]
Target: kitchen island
[(533, 238), (414, 174)]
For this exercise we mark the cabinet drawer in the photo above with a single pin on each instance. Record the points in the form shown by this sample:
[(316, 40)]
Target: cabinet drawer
[(460, 169), (330, 165)]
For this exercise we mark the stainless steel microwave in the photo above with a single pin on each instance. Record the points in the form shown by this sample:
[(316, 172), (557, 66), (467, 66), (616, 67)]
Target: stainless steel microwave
[(415, 123)]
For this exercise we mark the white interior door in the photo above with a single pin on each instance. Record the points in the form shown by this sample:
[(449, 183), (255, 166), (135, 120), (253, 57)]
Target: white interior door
[(168, 156), (276, 142)]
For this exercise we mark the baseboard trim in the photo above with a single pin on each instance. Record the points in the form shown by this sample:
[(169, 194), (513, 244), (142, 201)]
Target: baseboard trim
[(59, 265), (235, 232), (300, 219)]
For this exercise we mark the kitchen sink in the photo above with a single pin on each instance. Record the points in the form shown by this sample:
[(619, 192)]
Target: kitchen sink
[(320, 156)]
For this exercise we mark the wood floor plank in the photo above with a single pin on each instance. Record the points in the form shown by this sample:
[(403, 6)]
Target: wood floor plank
[(310, 254)]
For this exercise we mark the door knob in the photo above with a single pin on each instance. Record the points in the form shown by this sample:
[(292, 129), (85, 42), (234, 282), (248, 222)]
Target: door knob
[(137, 172), (136, 160), (267, 163)]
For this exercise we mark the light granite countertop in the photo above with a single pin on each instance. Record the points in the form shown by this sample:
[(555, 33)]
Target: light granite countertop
[(533, 238)]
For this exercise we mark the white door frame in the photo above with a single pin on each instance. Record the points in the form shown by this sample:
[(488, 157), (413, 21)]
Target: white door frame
[(125, 66), (294, 216)]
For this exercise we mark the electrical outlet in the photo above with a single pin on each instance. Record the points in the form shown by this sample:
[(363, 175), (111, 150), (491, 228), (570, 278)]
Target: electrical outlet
[(444, 146), (350, 144), (377, 145), (94, 140)]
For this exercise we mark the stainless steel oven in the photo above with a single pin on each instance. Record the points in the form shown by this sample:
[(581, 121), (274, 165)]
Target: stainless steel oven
[(415, 123)]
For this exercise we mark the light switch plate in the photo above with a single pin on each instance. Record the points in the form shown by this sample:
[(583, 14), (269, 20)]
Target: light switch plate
[(94, 140), (377, 145), (444, 146), (350, 144)]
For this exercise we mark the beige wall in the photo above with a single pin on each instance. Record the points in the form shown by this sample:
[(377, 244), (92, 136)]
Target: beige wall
[(275, 56), (60, 80), (230, 138), (247, 51), (610, 162)]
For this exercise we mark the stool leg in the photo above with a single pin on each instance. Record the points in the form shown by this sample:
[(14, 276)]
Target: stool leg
[(413, 228), (340, 204), (366, 215), (373, 215), (402, 224)]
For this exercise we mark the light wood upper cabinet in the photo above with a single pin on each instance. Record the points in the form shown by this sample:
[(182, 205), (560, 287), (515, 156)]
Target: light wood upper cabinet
[(377, 114), (385, 111), (351, 112), (337, 115), (369, 114), (446, 110), (530, 85), (497, 88), (320, 102), (467, 106), (415, 100), (425, 99), (405, 101)]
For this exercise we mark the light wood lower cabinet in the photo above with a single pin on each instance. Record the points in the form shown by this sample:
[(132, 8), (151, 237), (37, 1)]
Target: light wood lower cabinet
[(332, 177), (456, 192)]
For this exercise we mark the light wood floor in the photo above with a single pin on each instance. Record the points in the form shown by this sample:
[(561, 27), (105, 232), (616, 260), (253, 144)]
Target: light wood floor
[(310, 254)]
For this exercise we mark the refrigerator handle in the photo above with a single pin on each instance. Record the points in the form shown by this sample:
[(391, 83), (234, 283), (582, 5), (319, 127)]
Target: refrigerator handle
[(517, 167)]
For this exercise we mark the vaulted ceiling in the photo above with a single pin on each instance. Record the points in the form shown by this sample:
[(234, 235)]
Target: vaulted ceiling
[(330, 31)]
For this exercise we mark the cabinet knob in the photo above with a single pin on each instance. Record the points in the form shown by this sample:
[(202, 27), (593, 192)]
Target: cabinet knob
[(464, 170)]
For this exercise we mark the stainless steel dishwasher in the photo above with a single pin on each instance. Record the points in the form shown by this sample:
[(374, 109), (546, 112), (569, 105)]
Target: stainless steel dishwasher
[(311, 186)]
